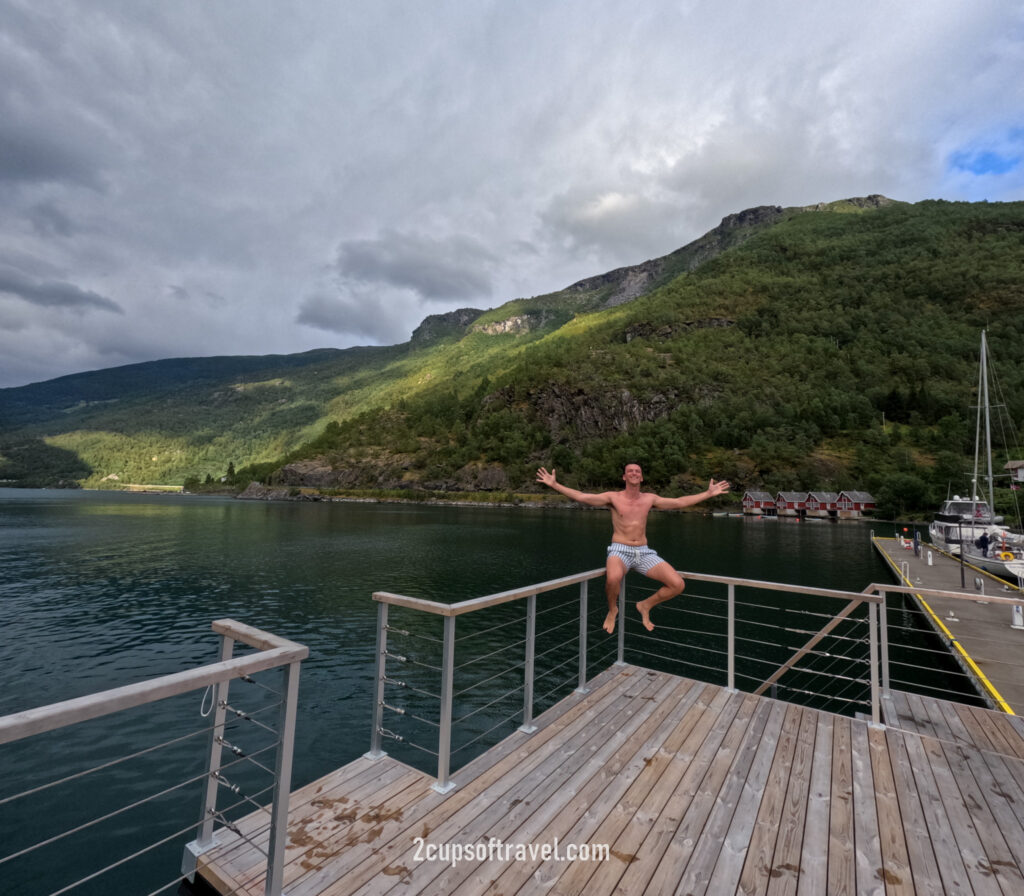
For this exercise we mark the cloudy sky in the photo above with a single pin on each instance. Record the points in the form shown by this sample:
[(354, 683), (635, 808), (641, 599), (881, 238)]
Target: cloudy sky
[(205, 177)]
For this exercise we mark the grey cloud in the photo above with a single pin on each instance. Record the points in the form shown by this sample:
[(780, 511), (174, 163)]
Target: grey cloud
[(616, 225), (184, 295), (452, 269), (353, 316), (36, 157), (383, 162), (53, 293), (49, 220)]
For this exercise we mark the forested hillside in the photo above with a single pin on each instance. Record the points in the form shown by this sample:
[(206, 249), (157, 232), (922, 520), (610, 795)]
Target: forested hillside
[(827, 347)]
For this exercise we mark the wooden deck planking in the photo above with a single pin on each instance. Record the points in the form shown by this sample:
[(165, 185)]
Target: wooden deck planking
[(623, 835), (670, 840), (813, 878), (895, 868), (624, 818), (867, 841), (723, 786), (842, 875), (785, 866), (506, 780), (728, 865), (594, 733), (600, 784), (920, 843), (695, 789)]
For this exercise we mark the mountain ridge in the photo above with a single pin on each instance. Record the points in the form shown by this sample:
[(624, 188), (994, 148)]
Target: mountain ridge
[(765, 348)]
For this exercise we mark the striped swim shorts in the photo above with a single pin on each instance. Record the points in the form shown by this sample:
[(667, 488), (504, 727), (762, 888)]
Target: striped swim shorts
[(639, 557)]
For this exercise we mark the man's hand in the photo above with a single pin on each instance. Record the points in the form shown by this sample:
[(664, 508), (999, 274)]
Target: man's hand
[(718, 488), (546, 477)]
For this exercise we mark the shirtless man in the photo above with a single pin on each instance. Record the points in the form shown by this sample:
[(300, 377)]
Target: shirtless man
[(629, 549)]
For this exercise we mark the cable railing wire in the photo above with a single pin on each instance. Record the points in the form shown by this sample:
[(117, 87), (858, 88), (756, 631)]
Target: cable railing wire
[(493, 653), (503, 723), (499, 674), (560, 686), (50, 841), (103, 766), (177, 835), (468, 636), (496, 700), (420, 636)]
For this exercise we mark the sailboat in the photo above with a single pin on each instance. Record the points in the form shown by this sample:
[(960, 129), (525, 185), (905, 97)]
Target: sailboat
[(968, 526)]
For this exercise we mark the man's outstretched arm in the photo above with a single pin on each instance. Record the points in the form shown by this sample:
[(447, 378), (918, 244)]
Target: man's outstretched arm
[(713, 490), (548, 478)]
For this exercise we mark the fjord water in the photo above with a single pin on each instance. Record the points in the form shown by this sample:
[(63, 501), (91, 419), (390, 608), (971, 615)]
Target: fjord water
[(101, 589)]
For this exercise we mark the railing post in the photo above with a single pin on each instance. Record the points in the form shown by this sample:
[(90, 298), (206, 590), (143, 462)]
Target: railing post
[(620, 659), (581, 687), (282, 782), (873, 649), (531, 635), (731, 637), (381, 672), (444, 743), (206, 839), (885, 644)]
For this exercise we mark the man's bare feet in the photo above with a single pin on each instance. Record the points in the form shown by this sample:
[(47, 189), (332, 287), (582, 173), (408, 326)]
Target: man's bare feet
[(609, 621), (645, 615)]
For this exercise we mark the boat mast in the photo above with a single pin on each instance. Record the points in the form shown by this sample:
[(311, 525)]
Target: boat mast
[(988, 427), (977, 430)]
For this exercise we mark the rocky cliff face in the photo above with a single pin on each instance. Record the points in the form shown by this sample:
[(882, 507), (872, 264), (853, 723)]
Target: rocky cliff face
[(564, 410), (626, 283), (517, 323), (438, 326), (629, 283), (645, 330)]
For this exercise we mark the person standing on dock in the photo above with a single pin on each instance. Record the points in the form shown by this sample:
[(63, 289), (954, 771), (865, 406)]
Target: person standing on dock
[(629, 550)]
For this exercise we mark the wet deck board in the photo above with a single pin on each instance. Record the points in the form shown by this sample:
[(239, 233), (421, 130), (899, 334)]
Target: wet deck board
[(693, 788)]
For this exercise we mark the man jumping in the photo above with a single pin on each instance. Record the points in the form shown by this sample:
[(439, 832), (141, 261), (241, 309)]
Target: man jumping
[(629, 549)]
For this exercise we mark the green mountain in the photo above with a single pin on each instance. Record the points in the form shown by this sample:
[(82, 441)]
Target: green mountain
[(826, 347)]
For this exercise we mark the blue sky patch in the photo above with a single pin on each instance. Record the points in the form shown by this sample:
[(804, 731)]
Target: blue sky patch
[(1006, 158), (986, 162)]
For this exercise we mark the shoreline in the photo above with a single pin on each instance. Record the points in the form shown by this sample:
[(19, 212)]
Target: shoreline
[(540, 501)]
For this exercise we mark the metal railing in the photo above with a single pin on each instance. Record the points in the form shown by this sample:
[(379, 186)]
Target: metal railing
[(954, 648), (389, 687), (221, 718), (762, 637), (449, 613)]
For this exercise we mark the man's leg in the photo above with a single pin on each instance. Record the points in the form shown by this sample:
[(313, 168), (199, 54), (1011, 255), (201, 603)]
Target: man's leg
[(614, 572), (671, 585)]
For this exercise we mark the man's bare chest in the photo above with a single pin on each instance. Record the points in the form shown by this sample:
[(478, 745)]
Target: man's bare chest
[(632, 508)]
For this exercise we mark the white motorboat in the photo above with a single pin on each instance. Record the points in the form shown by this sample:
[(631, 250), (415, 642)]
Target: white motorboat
[(961, 519), (998, 551)]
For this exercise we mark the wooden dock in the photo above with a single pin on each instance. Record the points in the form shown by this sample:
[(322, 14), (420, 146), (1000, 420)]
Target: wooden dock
[(692, 788), (977, 630)]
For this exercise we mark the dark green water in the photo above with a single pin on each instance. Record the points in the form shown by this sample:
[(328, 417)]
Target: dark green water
[(99, 590)]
